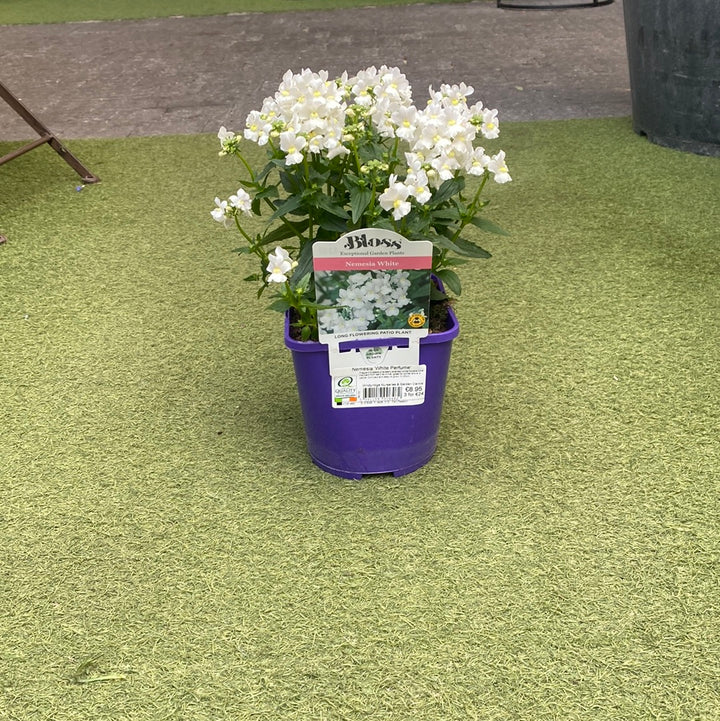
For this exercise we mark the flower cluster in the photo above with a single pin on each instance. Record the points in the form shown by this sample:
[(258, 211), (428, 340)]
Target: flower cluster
[(356, 152), (225, 210), (369, 300), (310, 114)]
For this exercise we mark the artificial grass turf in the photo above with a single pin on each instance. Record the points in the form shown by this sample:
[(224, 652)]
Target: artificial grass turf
[(170, 552), (16, 12)]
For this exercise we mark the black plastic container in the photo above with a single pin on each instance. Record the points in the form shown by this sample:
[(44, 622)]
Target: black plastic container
[(674, 57)]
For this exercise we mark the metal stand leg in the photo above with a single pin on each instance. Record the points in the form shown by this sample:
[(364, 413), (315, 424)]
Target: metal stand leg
[(511, 5), (46, 136)]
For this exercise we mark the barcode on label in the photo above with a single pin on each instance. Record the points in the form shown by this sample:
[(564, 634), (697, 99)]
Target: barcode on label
[(382, 392)]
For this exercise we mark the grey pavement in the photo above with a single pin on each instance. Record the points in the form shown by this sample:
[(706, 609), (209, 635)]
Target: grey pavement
[(190, 75)]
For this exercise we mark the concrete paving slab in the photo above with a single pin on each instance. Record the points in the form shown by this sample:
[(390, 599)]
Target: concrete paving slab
[(191, 75)]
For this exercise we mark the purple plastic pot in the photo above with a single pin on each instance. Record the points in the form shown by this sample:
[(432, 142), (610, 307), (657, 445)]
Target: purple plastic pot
[(353, 442)]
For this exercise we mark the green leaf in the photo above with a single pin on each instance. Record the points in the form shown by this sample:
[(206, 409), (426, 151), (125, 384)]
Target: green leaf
[(488, 226), (254, 277), (359, 200), (384, 223), (291, 184), (450, 187), (243, 250), (264, 172), (286, 206), (270, 191), (304, 266), (305, 333), (332, 223), (319, 177), (440, 241), (466, 247), (451, 214), (436, 293), (286, 230), (450, 279), (458, 245), (322, 201), (353, 181), (280, 305)]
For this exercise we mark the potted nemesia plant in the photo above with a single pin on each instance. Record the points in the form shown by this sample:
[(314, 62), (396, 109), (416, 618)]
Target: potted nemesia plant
[(355, 153)]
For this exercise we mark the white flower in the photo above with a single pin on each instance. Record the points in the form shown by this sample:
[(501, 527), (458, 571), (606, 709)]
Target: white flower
[(478, 162), (417, 184), (489, 127), (498, 168), (241, 201), (220, 213), (225, 134), (430, 136), (225, 137), (393, 85), (292, 144), (257, 127), (456, 94), (395, 198), (315, 143), (475, 111), (405, 120), (353, 296), (362, 84), (445, 166), (279, 265), (333, 141), (453, 121)]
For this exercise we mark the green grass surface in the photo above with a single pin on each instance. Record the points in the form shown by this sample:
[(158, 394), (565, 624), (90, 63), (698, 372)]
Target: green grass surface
[(169, 551), (15, 12)]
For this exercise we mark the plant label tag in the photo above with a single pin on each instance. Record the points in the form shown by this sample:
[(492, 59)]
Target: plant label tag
[(376, 284), (386, 386)]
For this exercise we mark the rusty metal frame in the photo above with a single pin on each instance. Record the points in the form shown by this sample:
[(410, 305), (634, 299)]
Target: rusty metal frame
[(46, 136)]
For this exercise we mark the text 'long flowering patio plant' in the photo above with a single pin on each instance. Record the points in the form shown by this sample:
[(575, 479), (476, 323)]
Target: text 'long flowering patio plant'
[(355, 152)]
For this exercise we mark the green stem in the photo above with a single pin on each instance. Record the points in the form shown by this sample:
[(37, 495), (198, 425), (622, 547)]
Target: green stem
[(472, 210), (371, 208), (246, 164), (244, 234)]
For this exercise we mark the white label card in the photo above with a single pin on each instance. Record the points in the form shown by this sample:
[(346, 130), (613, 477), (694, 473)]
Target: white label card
[(375, 282), (361, 386)]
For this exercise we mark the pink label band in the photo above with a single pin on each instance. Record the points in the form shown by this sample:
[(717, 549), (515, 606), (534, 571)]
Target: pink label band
[(360, 263)]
